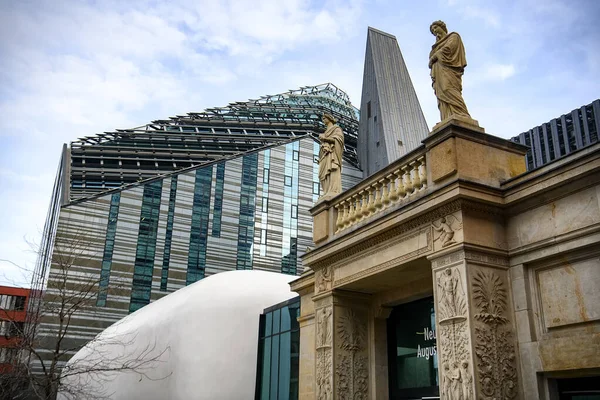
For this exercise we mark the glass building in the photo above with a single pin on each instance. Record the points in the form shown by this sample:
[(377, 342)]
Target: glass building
[(562, 135), (139, 213), (278, 352)]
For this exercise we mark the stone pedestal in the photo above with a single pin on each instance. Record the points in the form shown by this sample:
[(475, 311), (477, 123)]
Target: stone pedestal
[(477, 352), (457, 149)]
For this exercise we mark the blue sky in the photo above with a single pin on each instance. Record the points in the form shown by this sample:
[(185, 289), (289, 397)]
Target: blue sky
[(75, 68)]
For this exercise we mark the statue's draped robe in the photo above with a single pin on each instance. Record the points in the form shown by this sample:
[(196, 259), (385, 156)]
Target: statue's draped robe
[(446, 75), (330, 160)]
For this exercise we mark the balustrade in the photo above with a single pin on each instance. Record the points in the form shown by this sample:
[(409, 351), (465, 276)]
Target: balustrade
[(398, 185)]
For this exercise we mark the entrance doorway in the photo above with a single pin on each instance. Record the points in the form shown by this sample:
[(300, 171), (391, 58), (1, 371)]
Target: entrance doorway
[(579, 388), (412, 351)]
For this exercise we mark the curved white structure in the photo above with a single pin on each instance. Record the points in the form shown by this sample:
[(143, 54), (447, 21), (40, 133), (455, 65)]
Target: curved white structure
[(207, 334)]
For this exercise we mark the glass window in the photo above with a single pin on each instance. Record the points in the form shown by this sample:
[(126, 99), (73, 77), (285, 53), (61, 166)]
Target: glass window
[(316, 187), (278, 352), (266, 175), (265, 204), (296, 155), (287, 180), (412, 350), (294, 211)]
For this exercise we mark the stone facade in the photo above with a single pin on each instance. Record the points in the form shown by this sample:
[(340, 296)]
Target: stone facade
[(511, 259)]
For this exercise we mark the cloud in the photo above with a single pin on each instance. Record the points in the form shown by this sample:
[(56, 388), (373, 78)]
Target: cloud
[(500, 71)]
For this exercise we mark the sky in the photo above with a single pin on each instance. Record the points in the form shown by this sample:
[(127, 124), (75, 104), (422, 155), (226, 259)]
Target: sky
[(70, 69)]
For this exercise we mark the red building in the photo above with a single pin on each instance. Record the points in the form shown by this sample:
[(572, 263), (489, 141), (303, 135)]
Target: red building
[(13, 308)]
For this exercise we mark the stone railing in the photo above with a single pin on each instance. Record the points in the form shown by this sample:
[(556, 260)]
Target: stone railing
[(392, 186)]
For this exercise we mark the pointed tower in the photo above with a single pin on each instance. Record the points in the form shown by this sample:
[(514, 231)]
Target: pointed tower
[(391, 120)]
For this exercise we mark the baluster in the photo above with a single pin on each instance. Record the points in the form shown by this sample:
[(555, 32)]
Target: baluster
[(401, 191), (378, 203), (340, 214), (414, 175), (393, 194), (385, 195), (364, 195), (356, 206), (406, 180), (372, 195), (422, 172), (346, 213)]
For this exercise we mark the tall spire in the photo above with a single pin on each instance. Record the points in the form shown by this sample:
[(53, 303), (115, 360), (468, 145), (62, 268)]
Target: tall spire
[(391, 120)]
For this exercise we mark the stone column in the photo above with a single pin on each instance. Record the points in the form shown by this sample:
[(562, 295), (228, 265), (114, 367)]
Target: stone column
[(341, 343), (475, 329)]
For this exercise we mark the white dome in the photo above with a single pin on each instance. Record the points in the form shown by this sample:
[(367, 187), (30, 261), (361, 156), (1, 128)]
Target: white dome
[(209, 331)]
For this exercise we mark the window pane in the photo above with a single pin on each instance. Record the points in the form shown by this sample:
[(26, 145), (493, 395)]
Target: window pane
[(274, 366), (285, 319), (266, 370), (284, 367), (268, 324), (276, 318)]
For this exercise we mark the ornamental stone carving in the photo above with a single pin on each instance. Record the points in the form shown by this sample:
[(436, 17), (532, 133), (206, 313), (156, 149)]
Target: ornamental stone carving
[(352, 362), (495, 344), (324, 356), (324, 279), (453, 338), (446, 227)]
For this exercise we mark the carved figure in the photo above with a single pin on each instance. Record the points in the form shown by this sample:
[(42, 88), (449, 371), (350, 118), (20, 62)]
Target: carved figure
[(324, 282), (325, 332), (449, 284), (447, 227), (447, 381), (467, 381), (330, 157), (447, 61)]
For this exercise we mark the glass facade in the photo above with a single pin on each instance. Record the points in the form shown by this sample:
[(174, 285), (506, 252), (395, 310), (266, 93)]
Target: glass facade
[(562, 135), (199, 228), (247, 204), (289, 248), (164, 276), (146, 246), (264, 217), (412, 351), (109, 245), (279, 352), (218, 206)]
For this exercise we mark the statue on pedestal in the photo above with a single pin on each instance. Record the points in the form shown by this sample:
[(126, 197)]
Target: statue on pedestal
[(447, 62), (330, 157)]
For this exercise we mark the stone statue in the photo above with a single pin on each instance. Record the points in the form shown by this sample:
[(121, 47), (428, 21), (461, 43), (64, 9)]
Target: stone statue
[(447, 62), (330, 157)]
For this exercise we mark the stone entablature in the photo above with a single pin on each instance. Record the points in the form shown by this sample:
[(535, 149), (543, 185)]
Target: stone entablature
[(511, 261)]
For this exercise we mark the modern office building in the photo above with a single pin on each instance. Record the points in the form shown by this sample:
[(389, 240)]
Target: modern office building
[(562, 135), (140, 213)]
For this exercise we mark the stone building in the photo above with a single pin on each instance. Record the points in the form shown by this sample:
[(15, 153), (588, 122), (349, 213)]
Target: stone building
[(453, 272)]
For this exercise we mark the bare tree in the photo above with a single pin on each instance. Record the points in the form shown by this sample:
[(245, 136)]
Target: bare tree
[(74, 286)]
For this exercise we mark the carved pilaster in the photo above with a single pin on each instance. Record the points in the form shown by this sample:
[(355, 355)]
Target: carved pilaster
[(453, 336), (324, 349), (352, 362), (495, 343), (477, 354)]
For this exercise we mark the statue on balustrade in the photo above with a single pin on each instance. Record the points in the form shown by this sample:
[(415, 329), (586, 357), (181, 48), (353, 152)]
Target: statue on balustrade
[(447, 61), (330, 157)]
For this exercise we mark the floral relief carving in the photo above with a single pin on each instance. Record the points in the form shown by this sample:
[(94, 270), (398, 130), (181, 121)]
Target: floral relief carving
[(352, 363), (453, 338), (324, 354), (494, 349)]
